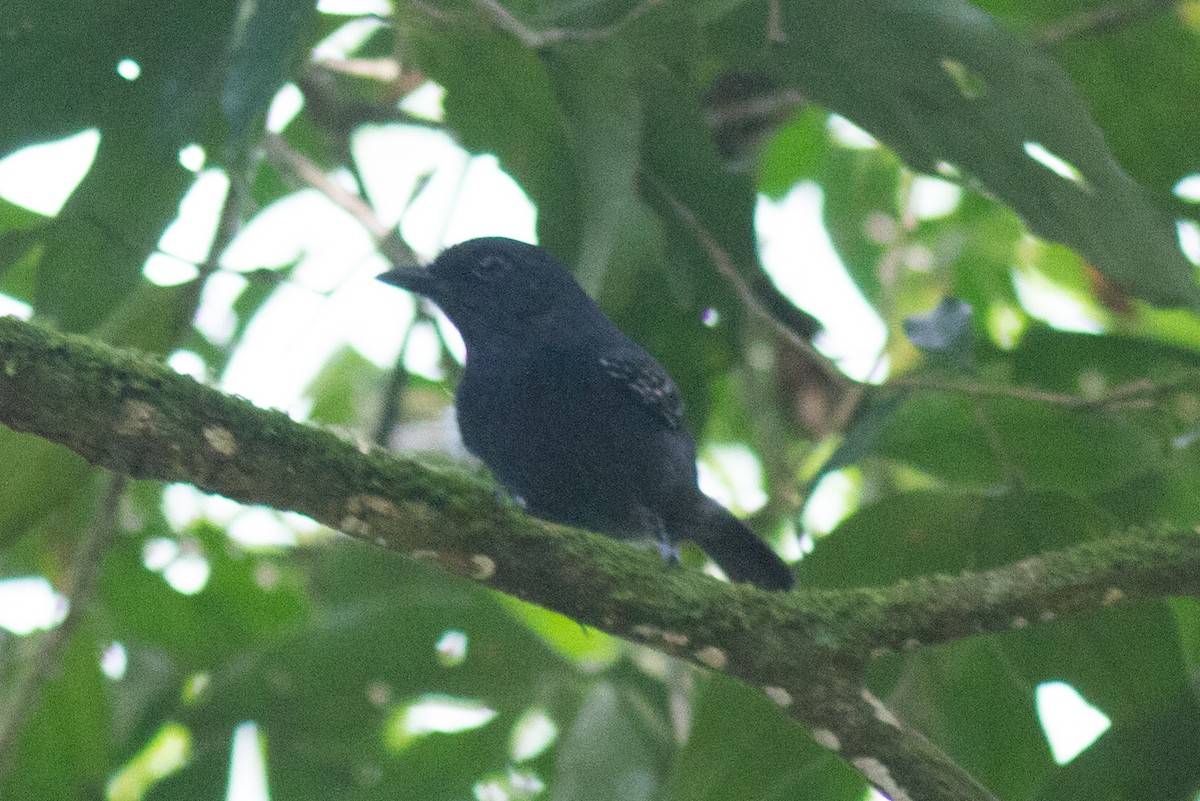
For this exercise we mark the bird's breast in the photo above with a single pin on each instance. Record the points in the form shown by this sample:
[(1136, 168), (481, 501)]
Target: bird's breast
[(495, 408)]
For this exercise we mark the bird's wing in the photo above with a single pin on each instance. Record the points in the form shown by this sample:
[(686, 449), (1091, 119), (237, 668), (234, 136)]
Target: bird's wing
[(646, 380)]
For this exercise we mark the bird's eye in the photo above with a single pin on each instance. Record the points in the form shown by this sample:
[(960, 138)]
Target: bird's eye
[(491, 268)]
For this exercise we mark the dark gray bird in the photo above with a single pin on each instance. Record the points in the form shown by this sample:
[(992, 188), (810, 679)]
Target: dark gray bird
[(575, 419)]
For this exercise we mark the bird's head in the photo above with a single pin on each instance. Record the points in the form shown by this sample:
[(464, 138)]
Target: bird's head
[(491, 285)]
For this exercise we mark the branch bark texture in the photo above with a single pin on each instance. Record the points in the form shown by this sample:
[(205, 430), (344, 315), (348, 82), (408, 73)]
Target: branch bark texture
[(807, 649)]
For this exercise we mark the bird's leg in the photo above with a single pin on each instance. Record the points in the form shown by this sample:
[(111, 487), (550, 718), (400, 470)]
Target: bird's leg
[(662, 540), (506, 498), (668, 551)]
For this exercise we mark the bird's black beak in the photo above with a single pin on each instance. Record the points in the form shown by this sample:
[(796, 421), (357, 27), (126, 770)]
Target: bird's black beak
[(414, 279)]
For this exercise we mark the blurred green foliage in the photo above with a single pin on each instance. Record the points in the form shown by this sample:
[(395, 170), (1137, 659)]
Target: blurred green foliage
[(644, 133)]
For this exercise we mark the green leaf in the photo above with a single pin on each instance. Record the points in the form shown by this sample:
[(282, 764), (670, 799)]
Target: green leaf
[(967, 699), (587, 647), (921, 533), (988, 236), (501, 100), (944, 83), (1084, 363), (1166, 496), (346, 390), (65, 60), (1100, 652), (1152, 759), (595, 89), (969, 442), (862, 439), (38, 478), (796, 152), (1121, 71), (63, 750), (323, 685), (740, 747), (15, 245), (604, 755), (264, 51), (233, 612), (14, 217)]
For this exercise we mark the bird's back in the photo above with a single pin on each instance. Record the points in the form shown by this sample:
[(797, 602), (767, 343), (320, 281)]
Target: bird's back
[(577, 445)]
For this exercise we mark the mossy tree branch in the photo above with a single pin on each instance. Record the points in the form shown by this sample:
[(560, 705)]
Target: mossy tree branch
[(807, 649)]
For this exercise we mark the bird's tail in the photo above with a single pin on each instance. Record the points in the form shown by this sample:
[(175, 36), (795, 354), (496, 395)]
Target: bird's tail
[(738, 552)]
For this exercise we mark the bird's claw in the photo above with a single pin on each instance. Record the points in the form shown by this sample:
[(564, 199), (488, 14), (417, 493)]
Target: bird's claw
[(667, 551)]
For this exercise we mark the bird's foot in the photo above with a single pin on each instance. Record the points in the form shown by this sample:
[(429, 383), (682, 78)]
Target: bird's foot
[(506, 498), (667, 550)]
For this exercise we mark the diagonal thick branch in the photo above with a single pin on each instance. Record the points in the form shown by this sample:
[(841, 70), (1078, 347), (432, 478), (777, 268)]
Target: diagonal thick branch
[(806, 649)]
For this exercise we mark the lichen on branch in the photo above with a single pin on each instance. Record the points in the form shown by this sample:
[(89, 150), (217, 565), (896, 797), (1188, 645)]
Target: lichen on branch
[(806, 649)]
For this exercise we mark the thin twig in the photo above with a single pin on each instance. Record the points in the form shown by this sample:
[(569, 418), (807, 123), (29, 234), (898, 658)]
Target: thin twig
[(1014, 476), (753, 107), (43, 667), (394, 391), (310, 173), (433, 12), (931, 384), (389, 242), (385, 70), (750, 300), (775, 33), (1135, 394), (332, 109), (851, 393), (229, 222), (505, 20), (1104, 20)]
